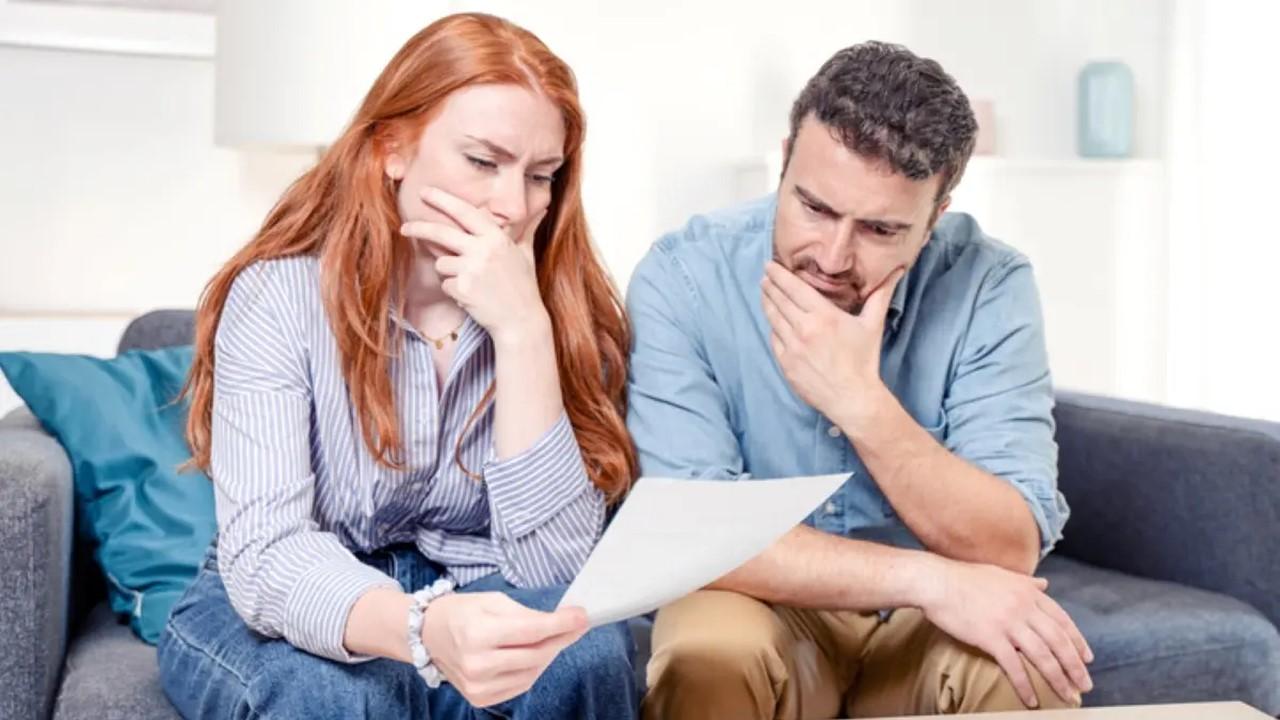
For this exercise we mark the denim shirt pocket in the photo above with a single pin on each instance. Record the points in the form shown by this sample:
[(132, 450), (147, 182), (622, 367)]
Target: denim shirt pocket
[(938, 431)]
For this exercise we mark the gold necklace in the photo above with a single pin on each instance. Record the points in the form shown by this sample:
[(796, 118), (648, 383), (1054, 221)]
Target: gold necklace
[(452, 335)]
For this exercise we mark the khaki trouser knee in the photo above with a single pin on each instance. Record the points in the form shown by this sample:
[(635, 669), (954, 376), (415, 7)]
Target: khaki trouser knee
[(720, 654)]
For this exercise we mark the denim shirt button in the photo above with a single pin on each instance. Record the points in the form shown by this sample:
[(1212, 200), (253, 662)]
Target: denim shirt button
[(833, 431), (829, 508)]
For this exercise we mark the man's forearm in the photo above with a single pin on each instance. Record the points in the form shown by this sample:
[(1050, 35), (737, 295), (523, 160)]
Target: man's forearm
[(957, 510), (813, 569)]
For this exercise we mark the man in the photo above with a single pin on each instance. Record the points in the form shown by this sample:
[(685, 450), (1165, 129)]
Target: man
[(847, 325)]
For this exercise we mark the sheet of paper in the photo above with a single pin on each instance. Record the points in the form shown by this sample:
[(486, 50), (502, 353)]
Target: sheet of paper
[(672, 537)]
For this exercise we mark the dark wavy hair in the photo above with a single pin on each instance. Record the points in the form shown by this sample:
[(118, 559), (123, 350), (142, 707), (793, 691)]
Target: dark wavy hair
[(885, 102)]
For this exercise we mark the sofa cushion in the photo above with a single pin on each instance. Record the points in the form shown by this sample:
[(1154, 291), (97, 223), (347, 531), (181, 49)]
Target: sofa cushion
[(110, 675), (150, 331), (119, 423), (1181, 495), (1160, 642)]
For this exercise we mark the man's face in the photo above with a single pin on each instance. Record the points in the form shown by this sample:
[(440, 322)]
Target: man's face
[(845, 222)]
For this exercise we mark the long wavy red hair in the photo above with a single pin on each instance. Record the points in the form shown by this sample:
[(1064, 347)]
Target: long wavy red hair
[(344, 212)]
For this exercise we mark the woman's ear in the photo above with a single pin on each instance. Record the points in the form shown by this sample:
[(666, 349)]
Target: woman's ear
[(394, 164), (394, 161)]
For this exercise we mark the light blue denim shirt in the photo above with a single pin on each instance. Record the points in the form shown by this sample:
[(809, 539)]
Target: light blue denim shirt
[(964, 352)]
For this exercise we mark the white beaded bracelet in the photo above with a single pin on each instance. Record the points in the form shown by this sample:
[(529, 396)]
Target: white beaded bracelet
[(421, 658)]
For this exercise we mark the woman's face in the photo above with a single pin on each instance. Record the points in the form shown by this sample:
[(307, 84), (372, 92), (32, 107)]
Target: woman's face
[(497, 147)]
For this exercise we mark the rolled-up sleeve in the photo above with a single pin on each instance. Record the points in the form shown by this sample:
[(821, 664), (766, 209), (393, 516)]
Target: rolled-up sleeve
[(545, 514), (284, 576), (999, 406), (677, 414)]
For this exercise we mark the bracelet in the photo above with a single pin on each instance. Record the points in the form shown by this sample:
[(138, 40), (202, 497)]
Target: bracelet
[(421, 658)]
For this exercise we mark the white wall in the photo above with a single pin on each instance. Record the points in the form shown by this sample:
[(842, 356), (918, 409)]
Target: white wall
[(684, 97), (684, 101), (1096, 234), (113, 197), (1224, 250), (114, 200)]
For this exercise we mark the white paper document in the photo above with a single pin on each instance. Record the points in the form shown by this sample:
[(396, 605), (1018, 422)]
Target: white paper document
[(672, 537)]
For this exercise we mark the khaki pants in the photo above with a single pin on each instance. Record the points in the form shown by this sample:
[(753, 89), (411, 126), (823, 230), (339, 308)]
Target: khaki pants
[(724, 655)]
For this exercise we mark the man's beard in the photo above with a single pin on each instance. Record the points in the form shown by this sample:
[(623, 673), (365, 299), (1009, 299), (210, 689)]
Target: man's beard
[(850, 299)]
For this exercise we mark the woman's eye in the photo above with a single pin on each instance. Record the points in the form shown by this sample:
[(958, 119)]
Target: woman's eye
[(543, 179), (482, 163)]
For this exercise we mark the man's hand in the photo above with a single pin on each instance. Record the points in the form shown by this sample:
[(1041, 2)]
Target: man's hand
[(830, 357), (1008, 615)]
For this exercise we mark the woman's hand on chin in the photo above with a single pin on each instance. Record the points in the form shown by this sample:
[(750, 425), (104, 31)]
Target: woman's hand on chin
[(490, 275)]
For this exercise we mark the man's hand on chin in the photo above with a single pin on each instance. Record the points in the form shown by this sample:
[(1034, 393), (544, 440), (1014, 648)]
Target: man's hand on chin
[(830, 357)]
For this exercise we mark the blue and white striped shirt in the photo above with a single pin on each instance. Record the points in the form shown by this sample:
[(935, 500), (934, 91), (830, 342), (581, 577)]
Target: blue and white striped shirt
[(297, 490)]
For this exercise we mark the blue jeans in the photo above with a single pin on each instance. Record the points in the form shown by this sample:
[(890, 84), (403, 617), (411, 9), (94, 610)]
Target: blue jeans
[(213, 666)]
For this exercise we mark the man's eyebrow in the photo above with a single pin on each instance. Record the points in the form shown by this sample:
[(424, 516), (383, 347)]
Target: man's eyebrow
[(817, 204), (894, 225)]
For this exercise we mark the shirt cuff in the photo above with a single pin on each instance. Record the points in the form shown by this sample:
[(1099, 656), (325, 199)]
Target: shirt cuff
[(528, 489), (1048, 523), (321, 601)]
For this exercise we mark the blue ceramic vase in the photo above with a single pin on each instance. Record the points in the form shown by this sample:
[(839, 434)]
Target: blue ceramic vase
[(1105, 106)]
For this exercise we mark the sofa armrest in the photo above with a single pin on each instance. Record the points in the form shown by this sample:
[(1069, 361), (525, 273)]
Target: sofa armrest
[(35, 561), (1177, 495)]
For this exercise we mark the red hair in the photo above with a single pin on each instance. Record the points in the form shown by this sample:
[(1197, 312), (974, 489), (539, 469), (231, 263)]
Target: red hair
[(344, 212)]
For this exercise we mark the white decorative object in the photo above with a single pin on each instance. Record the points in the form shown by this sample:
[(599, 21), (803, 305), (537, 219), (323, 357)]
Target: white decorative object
[(984, 111)]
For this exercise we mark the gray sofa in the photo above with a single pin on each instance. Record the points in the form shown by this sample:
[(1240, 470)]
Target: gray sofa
[(1170, 563)]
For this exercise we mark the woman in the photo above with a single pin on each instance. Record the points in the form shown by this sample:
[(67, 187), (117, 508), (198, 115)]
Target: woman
[(413, 376)]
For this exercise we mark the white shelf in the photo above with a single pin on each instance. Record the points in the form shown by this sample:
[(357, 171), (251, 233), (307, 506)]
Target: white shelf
[(123, 31)]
